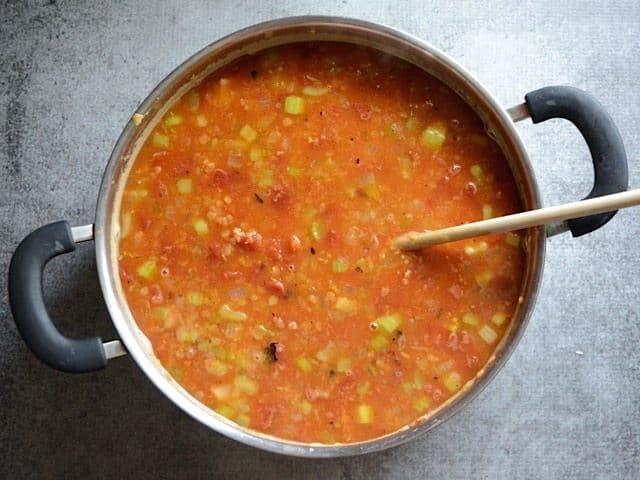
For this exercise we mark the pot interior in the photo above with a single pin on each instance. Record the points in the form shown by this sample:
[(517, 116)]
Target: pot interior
[(251, 41)]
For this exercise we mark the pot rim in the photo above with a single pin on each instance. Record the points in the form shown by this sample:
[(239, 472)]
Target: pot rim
[(138, 345)]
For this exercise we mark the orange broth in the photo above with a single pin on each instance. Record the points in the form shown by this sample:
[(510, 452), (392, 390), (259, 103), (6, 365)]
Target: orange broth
[(255, 250)]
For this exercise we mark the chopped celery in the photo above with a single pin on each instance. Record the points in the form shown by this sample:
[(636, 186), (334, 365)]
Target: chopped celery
[(243, 420), (512, 239), (201, 121), (306, 407), (193, 100), (294, 171), (470, 318), (476, 171), (125, 224), (147, 269), (265, 178), (372, 191), (201, 227), (216, 368), (226, 411), (248, 133), (412, 124), (498, 319), (294, 105), (173, 120), (184, 185), (255, 154), (304, 364), (160, 313), (316, 231), (379, 342), (452, 324), (344, 365), (365, 413), (339, 265), (263, 331), (421, 404), (487, 334), (487, 212), (245, 384), (315, 91), (186, 334), (433, 136), (165, 316), (195, 298), (345, 305), (221, 392), (452, 381), (225, 313), (389, 323), (160, 140)]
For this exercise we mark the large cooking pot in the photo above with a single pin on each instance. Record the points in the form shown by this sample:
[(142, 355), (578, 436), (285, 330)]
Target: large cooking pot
[(29, 259)]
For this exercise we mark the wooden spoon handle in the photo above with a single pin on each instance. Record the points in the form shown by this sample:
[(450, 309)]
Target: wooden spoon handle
[(531, 218)]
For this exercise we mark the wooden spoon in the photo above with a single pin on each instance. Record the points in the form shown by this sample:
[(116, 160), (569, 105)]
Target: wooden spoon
[(531, 218)]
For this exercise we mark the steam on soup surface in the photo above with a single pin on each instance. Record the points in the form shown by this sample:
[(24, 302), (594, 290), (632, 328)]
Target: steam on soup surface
[(255, 250)]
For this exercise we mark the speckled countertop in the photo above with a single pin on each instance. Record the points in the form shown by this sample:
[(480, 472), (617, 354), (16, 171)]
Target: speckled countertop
[(71, 74)]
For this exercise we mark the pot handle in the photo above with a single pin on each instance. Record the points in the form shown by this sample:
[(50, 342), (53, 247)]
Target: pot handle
[(26, 298), (602, 137)]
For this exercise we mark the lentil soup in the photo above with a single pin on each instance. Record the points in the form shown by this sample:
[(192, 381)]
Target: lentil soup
[(255, 249)]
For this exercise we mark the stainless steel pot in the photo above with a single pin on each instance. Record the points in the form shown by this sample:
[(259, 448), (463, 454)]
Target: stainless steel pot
[(25, 282)]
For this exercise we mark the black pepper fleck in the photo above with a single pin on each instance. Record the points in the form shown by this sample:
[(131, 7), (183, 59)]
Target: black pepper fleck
[(271, 352)]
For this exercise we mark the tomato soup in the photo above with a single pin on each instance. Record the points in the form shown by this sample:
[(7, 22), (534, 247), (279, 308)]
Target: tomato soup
[(256, 243)]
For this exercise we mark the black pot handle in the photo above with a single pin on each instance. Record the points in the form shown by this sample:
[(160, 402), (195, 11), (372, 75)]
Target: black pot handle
[(602, 137), (26, 298)]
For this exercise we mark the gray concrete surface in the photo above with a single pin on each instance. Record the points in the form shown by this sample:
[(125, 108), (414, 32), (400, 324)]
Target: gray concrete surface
[(70, 76)]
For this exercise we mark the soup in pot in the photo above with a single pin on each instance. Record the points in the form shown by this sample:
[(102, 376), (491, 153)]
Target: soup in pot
[(255, 243)]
